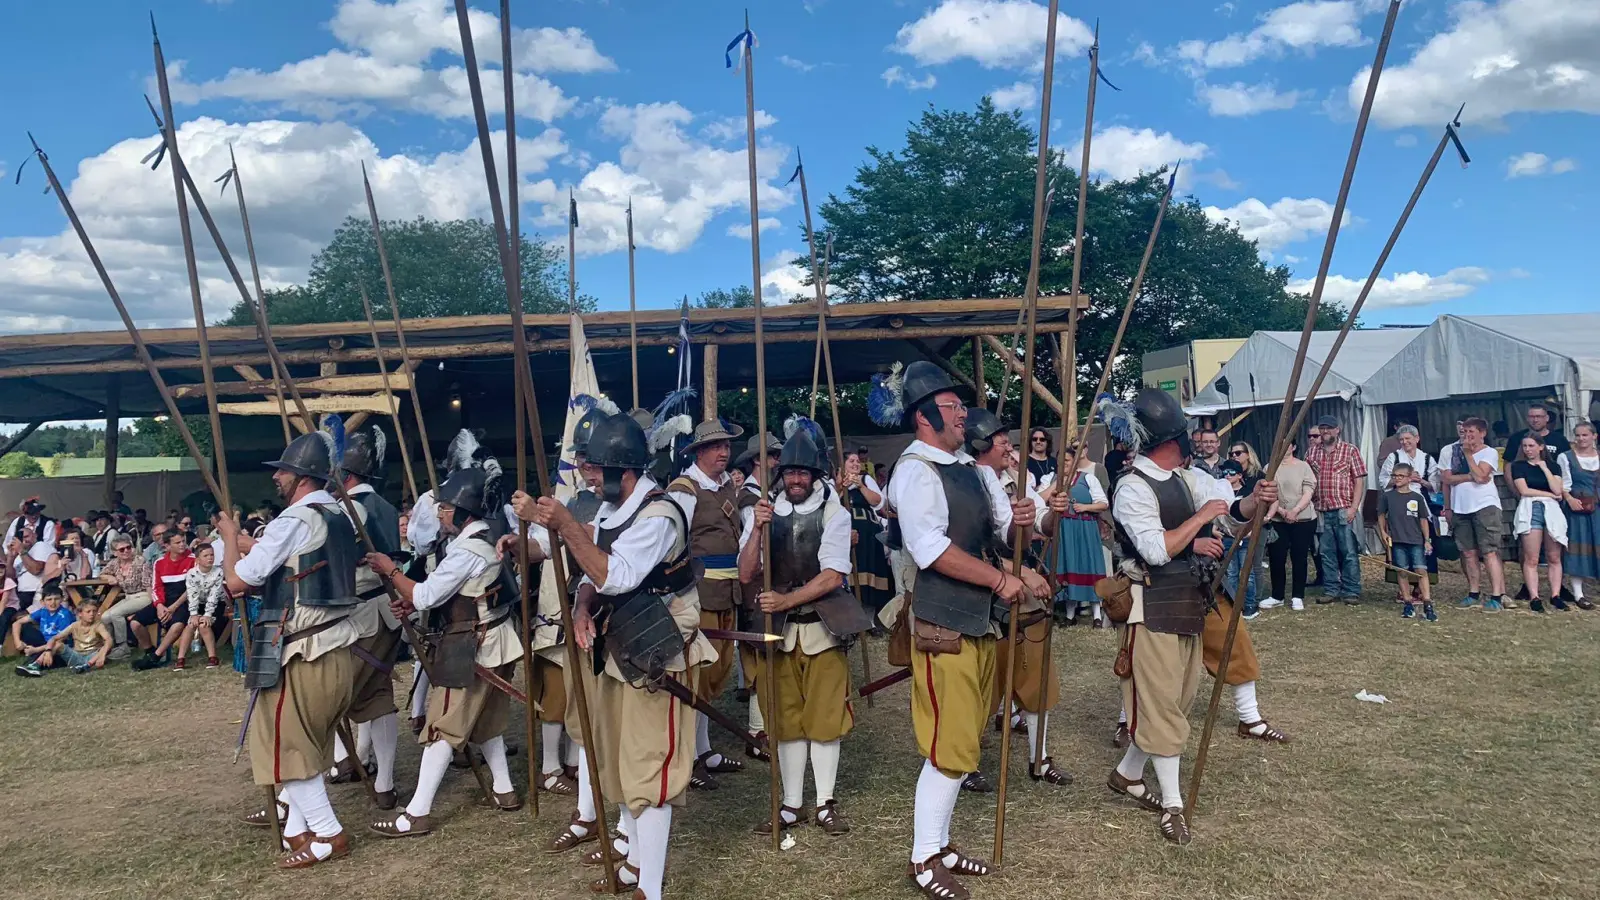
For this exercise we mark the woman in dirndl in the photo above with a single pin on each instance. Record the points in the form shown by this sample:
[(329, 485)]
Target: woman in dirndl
[(1080, 557), (1580, 476), (865, 498)]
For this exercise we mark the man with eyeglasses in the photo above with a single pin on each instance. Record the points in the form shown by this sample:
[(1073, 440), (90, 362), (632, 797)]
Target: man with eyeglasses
[(953, 526), (1207, 459)]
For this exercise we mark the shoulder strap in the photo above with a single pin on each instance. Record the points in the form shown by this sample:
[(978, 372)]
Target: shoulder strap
[(683, 484)]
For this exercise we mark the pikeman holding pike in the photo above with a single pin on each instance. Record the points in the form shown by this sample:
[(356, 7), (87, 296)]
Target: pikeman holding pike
[(817, 618)]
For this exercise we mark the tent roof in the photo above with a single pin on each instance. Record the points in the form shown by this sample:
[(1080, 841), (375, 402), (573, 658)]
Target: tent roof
[(67, 376), (1269, 356), (1459, 355)]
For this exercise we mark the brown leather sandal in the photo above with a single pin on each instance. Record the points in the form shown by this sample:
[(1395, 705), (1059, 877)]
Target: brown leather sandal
[(293, 842), (1137, 791), (558, 783), (726, 765), (568, 839), (306, 857), (261, 818), (799, 816), (976, 783), (942, 886), (507, 802), (1175, 826), (831, 820), (603, 885), (385, 800), (596, 857), (1270, 735), (964, 864), (757, 753), (420, 825), (1048, 772), (701, 780), (1122, 737)]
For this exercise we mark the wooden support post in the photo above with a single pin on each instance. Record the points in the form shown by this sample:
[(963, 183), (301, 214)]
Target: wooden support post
[(113, 415), (15, 441), (977, 371), (709, 392), (1017, 367)]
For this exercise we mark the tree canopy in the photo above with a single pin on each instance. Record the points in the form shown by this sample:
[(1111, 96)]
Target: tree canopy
[(147, 436), (950, 215), (440, 268)]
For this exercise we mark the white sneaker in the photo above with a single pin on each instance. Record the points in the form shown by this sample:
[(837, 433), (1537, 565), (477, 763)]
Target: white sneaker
[(1297, 604), (1270, 603)]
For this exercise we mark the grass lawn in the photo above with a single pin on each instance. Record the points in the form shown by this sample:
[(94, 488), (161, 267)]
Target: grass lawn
[(1478, 780)]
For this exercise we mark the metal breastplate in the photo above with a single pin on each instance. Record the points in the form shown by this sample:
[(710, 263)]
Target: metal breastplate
[(383, 522), (636, 630), (1174, 602), (940, 599), (584, 506), (322, 575)]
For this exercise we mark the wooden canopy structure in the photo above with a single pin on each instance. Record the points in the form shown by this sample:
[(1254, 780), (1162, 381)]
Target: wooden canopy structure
[(463, 365)]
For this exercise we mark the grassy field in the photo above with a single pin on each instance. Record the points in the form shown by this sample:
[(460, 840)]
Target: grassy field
[(1478, 780)]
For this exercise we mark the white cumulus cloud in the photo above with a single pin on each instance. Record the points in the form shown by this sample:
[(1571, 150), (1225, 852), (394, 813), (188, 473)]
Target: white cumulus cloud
[(783, 280), (1400, 289), (1122, 152), (1526, 165), (1022, 95), (1287, 221), (742, 230), (1501, 58), (895, 75), (1297, 26), (1240, 99), (996, 34)]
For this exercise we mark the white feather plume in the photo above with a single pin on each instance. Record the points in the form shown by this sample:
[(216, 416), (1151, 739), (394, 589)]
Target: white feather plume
[(669, 430)]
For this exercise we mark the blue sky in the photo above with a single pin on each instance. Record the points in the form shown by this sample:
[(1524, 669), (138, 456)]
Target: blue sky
[(625, 98)]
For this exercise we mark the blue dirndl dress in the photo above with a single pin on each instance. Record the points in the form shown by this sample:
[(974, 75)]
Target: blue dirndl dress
[(1582, 556), (1080, 559)]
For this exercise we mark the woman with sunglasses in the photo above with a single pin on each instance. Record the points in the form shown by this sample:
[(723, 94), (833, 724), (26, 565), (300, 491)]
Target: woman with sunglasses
[(126, 570), (1245, 455)]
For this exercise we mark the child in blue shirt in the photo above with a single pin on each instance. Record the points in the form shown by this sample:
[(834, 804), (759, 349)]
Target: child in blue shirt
[(35, 634)]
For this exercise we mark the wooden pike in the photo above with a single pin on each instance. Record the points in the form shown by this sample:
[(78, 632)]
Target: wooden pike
[(143, 352), (261, 296), (400, 333), (769, 677), (388, 393), (825, 353), (1445, 139), (1252, 554), (1030, 301), (633, 311), (1067, 357), (169, 133), (513, 276), (528, 399)]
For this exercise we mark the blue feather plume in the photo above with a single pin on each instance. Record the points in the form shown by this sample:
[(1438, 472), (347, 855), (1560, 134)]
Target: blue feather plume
[(332, 434), (886, 401), (1120, 421), (679, 401), (798, 423)]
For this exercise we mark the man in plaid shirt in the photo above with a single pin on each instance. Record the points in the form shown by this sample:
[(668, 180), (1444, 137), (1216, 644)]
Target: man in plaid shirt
[(1341, 481)]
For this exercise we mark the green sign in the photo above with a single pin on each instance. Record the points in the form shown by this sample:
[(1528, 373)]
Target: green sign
[(1168, 385)]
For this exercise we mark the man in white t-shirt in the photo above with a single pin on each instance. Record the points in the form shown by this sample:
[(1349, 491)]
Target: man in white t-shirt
[(34, 561), (1475, 519)]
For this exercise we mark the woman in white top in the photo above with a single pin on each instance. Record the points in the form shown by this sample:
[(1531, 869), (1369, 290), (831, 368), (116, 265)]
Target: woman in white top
[(1424, 467), (1580, 479), (1539, 522)]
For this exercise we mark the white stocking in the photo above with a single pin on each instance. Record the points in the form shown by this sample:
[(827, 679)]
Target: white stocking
[(385, 732), (494, 754), (1035, 721), (757, 723), (1244, 701), (363, 742), (1132, 765), (930, 818), (340, 752), (585, 792), (792, 757), (1167, 772), (310, 797), (570, 750), (430, 774), (1577, 587), (649, 847), (550, 747), (295, 821), (702, 735), (419, 692), (824, 768)]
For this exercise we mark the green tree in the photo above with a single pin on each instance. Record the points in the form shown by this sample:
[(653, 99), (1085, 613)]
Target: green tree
[(18, 464), (440, 268), (159, 437), (949, 216), (740, 297)]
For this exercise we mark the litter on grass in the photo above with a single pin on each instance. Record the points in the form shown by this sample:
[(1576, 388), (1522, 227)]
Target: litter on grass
[(1368, 697)]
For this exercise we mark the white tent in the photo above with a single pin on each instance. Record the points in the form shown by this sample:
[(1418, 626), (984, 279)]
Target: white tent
[(1464, 355), (1268, 357)]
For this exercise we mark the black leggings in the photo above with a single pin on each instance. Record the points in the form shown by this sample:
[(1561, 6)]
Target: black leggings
[(1293, 546)]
